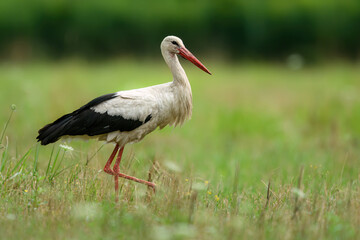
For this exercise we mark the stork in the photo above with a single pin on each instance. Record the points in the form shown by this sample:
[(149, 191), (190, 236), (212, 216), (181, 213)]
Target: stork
[(128, 116)]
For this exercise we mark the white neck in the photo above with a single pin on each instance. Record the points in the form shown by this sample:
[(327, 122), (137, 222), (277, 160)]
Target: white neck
[(181, 88), (179, 75)]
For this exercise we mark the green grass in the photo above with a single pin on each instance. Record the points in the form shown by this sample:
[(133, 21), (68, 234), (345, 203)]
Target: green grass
[(252, 124)]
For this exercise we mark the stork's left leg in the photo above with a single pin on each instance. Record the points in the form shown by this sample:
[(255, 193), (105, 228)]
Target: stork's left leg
[(116, 170), (107, 167)]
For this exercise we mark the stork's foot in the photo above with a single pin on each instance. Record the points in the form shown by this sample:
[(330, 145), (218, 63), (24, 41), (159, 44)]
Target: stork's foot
[(150, 184), (118, 174)]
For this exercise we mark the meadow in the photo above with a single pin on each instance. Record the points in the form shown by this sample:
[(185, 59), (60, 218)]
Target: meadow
[(270, 153)]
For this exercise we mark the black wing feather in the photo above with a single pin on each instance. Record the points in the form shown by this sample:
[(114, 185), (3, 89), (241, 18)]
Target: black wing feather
[(85, 121)]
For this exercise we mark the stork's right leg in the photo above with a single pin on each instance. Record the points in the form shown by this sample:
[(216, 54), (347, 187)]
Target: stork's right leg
[(116, 171)]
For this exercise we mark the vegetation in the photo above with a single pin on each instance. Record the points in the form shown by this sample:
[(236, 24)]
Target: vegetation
[(269, 153), (235, 28)]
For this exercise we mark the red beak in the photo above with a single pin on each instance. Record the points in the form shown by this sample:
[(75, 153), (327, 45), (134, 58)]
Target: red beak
[(189, 56)]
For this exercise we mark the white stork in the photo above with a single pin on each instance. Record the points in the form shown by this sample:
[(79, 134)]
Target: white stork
[(128, 116)]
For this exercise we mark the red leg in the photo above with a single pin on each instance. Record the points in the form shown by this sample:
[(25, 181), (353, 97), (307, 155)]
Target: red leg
[(150, 184), (116, 170), (107, 168)]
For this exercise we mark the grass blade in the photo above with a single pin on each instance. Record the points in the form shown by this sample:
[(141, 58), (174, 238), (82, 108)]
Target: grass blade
[(36, 159), (49, 163), (21, 161), (13, 108)]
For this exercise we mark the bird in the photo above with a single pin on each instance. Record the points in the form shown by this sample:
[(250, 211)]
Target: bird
[(126, 117)]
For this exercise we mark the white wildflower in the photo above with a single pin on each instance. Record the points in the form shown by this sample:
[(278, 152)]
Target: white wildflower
[(66, 147)]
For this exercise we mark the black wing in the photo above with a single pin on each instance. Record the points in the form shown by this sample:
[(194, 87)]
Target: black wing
[(85, 121)]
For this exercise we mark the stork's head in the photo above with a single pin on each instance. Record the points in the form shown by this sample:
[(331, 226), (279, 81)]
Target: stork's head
[(174, 45)]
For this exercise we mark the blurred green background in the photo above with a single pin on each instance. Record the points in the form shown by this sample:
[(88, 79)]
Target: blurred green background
[(284, 96), (227, 28)]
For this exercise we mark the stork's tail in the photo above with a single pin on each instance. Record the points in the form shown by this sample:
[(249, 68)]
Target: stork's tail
[(53, 131), (78, 122)]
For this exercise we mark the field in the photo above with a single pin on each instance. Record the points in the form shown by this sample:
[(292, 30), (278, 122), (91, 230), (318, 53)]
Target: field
[(270, 153)]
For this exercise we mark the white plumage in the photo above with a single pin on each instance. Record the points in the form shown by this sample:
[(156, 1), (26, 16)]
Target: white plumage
[(128, 116), (168, 104)]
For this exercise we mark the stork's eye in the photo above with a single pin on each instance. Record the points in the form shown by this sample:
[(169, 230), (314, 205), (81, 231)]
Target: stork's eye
[(175, 43)]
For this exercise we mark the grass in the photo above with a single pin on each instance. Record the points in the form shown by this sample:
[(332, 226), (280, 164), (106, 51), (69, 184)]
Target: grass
[(270, 153)]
